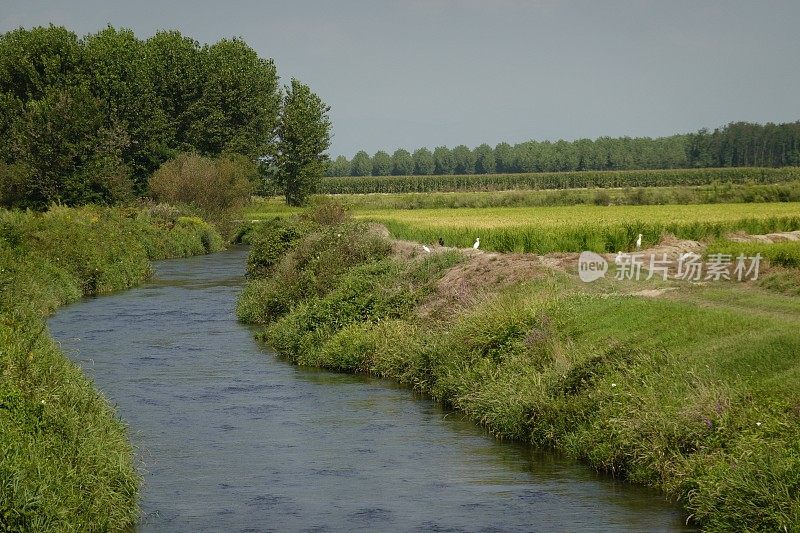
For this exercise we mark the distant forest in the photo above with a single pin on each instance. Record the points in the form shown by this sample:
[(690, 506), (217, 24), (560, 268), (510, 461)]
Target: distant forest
[(739, 144)]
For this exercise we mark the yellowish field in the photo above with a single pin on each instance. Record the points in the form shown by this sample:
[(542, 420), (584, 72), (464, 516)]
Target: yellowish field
[(578, 215), (568, 228)]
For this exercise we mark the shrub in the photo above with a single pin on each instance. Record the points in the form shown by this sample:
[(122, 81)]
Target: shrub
[(218, 188)]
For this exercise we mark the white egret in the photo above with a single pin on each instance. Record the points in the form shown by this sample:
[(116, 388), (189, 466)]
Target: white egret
[(639, 242), (477, 243), (426, 248)]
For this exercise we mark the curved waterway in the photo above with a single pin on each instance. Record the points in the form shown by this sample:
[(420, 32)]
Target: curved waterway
[(231, 438)]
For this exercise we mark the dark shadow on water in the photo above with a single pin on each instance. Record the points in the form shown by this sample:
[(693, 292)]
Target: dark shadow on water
[(231, 438)]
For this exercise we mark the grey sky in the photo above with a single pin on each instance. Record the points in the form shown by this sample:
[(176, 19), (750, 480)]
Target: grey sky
[(427, 73)]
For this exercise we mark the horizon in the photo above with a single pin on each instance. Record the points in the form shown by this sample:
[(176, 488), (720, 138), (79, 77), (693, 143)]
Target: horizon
[(566, 71)]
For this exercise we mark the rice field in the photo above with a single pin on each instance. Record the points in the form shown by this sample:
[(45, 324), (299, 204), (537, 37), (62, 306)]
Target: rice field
[(581, 227)]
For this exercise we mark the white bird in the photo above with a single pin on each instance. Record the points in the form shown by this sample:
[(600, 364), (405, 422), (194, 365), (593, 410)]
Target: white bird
[(639, 242), (477, 243), (426, 248)]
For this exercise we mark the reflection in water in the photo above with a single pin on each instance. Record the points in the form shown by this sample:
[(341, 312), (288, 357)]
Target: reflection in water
[(230, 438)]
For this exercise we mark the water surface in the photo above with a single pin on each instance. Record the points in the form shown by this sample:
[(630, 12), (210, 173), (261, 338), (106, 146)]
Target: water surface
[(230, 438)]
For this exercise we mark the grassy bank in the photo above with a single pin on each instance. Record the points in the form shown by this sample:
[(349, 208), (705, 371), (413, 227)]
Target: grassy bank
[(65, 463), (694, 392)]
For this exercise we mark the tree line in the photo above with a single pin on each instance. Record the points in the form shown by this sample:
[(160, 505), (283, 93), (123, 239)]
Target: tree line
[(737, 144), (89, 120)]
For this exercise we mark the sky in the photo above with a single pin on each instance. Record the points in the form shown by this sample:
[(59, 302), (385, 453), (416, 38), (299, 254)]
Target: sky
[(414, 73)]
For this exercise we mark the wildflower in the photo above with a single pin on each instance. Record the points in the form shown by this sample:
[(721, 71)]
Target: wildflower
[(613, 384), (758, 424)]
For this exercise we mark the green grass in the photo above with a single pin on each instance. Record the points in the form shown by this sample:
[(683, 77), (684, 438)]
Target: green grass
[(786, 254), (65, 462), (696, 393), (552, 180)]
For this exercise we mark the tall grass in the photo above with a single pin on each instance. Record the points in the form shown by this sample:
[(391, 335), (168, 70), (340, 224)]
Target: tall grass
[(553, 180), (65, 463), (786, 254)]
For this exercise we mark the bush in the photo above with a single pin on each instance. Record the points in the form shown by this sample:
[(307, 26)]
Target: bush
[(218, 188)]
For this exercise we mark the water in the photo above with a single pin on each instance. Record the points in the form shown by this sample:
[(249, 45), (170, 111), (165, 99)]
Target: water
[(231, 438)]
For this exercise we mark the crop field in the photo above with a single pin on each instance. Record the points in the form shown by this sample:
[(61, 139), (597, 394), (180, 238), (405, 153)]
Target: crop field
[(582, 227), (552, 180), (571, 228)]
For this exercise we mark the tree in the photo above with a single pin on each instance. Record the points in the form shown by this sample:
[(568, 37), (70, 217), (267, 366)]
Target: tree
[(33, 61), (237, 110), (361, 164), (402, 163), (484, 159), (381, 164), (423, 162), (464, 160), (116, 71), (504, 158), (304, 135), (62, 151), (176, 70), (443, 160), (339, 167)]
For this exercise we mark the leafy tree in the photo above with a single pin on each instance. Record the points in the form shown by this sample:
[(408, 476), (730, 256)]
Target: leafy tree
[(402, 163), (464, 160), (504, 158), (33, 61), (10, 111), (237, 110), (304, 135), (443, 160), (525, 156), (423, 162), (361, 164), (64, 152), (484, 159), (176, 70), (381, 164), (116, 70), (339, 167)]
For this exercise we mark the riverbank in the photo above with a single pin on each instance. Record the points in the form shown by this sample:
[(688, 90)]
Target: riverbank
[(690, 388), (65, 461)]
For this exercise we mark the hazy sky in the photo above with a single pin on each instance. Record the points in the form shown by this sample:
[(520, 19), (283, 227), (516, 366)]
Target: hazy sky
[(427, 73)]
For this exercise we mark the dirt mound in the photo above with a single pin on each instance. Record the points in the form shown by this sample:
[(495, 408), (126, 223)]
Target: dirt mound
[(481, 273)]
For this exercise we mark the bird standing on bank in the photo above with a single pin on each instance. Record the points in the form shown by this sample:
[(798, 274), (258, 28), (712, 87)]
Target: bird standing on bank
[(639, 242), (477, 243), (426, 248)]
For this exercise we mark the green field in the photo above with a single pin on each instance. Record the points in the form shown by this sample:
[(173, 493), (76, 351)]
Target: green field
[(551, 180)]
